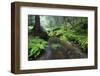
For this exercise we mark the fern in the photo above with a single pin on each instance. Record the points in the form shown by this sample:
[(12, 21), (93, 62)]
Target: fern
[(66, 34), (35, 46)]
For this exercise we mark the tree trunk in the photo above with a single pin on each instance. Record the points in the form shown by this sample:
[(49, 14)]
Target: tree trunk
[(37, 29)]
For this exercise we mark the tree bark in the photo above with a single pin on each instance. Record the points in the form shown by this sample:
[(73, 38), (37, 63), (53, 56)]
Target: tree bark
[(37, 29)]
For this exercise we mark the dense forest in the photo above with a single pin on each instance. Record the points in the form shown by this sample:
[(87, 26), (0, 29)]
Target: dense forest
[(57, 37)]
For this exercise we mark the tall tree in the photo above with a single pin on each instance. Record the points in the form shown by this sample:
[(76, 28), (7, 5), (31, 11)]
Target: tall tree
[(38, 30)]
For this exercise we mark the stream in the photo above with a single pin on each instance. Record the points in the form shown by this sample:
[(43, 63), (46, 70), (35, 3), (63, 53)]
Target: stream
[(65, 51)]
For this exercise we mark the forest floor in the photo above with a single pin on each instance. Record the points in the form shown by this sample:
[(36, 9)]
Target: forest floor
[(65, 50)]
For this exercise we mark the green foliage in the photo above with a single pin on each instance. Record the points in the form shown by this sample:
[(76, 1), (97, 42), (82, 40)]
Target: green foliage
[(35, 46), (56, 31), (82, 41), (80, 25), (72, 29), (66, 34)]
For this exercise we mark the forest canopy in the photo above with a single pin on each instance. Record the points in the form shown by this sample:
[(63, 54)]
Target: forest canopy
[(44, 30)]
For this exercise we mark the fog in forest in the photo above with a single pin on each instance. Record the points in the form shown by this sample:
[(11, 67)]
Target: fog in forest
[(57, 37)]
